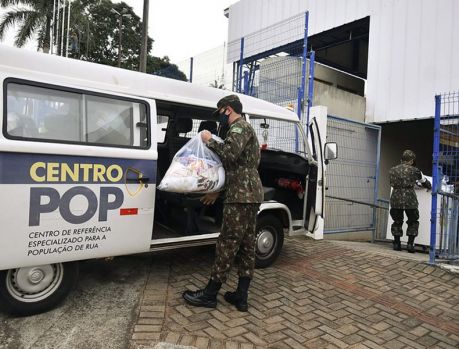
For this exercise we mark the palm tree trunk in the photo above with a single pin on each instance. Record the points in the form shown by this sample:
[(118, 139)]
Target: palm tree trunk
[(46, 41)]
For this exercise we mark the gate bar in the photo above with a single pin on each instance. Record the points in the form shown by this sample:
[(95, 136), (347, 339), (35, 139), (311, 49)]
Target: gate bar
[(436, 149)]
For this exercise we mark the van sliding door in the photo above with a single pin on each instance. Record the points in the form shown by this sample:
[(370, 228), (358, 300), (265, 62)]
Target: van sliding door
[(77, 174)]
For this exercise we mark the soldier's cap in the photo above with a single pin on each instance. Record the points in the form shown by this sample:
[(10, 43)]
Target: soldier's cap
[(231, 101), (408, 155)]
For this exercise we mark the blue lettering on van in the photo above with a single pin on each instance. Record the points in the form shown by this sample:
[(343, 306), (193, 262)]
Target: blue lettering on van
[(52, 201)]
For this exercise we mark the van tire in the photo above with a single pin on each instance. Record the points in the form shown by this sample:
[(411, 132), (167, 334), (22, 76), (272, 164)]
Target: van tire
[(34, 290), (269, 241)]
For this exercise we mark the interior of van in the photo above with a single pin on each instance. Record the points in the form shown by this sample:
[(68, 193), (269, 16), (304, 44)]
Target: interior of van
[(283, 172)]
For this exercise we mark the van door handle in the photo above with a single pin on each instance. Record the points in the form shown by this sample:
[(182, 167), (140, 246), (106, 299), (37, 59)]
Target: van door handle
[(320, 183), (144, 179)]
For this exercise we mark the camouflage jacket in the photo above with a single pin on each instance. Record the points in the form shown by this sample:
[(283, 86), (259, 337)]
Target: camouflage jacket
[(403, 178), (240, 155)]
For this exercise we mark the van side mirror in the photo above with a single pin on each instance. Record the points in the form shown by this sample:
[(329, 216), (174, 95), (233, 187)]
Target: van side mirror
[(330, 151)]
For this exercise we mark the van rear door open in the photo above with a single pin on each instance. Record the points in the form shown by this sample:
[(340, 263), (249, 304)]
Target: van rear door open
[(317, 139), (77, 174)]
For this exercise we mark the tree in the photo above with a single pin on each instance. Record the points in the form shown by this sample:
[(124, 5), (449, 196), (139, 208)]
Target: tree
[(95, 29), (104, 44), (32, 17), (98, 30), (163, 67)]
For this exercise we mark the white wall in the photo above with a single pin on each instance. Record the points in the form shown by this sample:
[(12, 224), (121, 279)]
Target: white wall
[(280, 77), (413, 52), (249, 16), (413, 55), (339, 103)]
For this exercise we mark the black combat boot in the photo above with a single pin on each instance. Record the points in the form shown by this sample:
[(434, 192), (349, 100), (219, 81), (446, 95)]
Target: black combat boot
[(410, 245), (397, 243), (239, 298), (204, 298)]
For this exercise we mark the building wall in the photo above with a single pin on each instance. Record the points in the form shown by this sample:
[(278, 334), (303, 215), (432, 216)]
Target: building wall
[(412, 54), (280, 78), (339, 79), (395, 138), (249, 16), (339, 102)]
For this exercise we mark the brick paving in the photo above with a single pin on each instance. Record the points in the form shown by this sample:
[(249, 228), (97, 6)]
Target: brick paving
[(318, 294)]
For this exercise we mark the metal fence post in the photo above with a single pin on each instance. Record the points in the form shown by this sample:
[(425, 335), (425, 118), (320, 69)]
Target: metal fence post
[(376, 189), (191, 69), (241, 63), (435, 181), (246, 82), (312, 59), (303, 68), (300, 99)]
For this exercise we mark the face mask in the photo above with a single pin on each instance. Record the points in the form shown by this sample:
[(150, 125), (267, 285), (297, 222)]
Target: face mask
[(223, 119)]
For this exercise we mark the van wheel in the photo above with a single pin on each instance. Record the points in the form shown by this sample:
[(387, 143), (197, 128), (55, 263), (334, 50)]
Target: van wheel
[(34, 290), (269, 241)]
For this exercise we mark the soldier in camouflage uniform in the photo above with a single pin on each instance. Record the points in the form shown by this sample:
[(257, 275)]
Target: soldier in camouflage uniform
[(240, 155), (403, 178)]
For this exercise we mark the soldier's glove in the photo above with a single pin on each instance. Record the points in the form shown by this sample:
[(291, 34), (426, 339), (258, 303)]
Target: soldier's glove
[(427, 185)]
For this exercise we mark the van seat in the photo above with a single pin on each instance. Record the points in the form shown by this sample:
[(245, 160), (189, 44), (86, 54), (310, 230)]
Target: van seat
[(175, 142), (208, 125)]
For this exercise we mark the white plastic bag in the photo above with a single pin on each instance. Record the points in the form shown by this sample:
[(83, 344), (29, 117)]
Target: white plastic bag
[(194, 169)]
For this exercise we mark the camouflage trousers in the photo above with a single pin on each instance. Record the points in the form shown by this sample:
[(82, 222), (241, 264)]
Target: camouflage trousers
[(398, 216), (236, 243)]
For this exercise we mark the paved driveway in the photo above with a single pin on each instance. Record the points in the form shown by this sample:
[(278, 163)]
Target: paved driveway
[(319, 294), (98, 314)]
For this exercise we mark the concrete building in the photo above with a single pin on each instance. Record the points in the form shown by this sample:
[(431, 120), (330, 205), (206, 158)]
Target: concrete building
[(401, 53)]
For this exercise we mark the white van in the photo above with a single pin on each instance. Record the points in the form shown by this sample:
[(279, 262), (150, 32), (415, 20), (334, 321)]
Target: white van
[(81, 151)]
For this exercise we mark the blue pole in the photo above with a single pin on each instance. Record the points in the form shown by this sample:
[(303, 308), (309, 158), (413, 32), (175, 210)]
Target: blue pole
[(246, 82), (375, 201), (191, 69), (300, 100), (303, 68), (312, 59), (435, 180), (241, 63)]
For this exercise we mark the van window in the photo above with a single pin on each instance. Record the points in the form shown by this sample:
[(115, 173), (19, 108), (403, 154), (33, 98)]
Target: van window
[(161, 127), (41, 113), (279, 134), (194, 130)]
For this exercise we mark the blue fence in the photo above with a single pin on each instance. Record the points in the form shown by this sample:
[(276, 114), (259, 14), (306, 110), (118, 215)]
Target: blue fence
[(289, 79), (444, 236)]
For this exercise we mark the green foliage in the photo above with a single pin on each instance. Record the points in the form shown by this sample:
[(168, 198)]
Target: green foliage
[(99, 30), (94, 29), (31, 16), (163, 67)]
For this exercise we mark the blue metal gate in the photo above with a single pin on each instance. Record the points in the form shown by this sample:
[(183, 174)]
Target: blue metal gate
[(352, 179), (444, 233)]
